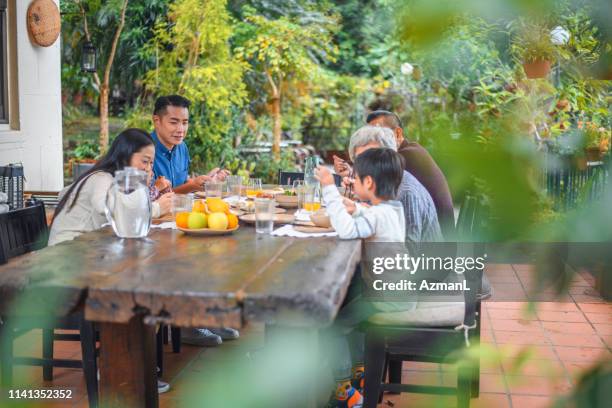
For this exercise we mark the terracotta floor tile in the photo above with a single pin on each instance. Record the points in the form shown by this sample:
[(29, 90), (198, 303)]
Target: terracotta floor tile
[(531, 351), (494, 268), (602, 328), (524, 268), (568, 328), (503, 279), (580, 354), (533, 367), (490, 400), (599, 317), (490, 304), (605, 308), (530, 385), (525, 401), (422, 377), (492, 383), (556, 307), (607, 339), (586, 340), (587, 298), (516, 325), (516, 314), (513, 337), (561, 316), (576, 369)]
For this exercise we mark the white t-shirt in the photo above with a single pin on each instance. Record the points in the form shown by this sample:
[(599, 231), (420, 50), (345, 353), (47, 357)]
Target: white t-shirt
[(380, 223)]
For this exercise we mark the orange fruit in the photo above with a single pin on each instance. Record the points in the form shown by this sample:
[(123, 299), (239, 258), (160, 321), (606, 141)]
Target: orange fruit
[(198, 206), (232, 221), (182, 219), (215, 204)]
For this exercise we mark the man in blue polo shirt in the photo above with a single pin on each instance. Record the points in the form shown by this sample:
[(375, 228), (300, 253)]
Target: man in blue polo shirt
[(171, 121)]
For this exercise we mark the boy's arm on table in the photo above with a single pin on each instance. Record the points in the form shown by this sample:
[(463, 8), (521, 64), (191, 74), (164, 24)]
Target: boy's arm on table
[(346, 226)]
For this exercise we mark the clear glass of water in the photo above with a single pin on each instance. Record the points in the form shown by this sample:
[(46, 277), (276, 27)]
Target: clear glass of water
[(213, 189), (128, 205), (234, 185), (264, 215)]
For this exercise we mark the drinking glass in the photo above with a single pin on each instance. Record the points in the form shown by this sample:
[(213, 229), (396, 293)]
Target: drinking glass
[(264, 215), (181, 207), (253, 188), (312, 198), (213, 189), (298, 188), (234, 185)]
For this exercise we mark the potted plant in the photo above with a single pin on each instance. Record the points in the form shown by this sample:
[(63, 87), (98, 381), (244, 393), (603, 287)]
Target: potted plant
[(597, 141), (83, 158), (533, 46)]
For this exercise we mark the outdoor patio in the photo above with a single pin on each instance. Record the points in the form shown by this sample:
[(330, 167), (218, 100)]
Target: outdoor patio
[(564, 338)]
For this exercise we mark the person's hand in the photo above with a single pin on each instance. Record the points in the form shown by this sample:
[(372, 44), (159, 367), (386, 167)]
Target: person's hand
[(199, 181), (220, 175), (165, 203), (341, 166), (324, 176), (349, 205), (163, 184)]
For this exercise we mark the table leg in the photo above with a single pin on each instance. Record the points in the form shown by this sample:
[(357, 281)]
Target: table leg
[(128, 373)]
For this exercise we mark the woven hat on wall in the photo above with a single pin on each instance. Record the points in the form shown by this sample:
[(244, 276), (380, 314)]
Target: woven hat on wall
[(44, 22)]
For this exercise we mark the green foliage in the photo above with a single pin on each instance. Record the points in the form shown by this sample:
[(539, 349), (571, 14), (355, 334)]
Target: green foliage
[(86, 150), (532, 42), (195, 61)]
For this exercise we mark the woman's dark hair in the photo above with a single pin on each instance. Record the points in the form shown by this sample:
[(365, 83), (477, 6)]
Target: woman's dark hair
[(162, 103), (119, 154), (386, 168)]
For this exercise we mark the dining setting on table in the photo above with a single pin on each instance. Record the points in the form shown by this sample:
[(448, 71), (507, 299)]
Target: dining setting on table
[(222, 207)]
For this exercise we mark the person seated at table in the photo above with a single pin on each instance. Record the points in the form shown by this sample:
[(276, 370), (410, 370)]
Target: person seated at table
[(419, 163), (171, 122), (419, 209), (378, 175), (81, 205)]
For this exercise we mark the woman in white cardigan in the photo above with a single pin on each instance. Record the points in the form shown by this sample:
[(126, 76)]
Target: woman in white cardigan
[(81, 205)]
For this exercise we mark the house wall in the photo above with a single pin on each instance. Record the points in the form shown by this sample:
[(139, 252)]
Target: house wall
[(34, 136)]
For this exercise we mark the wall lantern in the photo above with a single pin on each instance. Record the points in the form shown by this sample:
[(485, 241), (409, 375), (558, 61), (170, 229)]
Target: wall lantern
[(88, 58)]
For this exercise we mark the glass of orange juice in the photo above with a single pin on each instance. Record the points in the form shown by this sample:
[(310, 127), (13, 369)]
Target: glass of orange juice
[(312, 198), (253, 187)]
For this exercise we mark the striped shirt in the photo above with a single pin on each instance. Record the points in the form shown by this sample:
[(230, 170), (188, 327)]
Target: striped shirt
[(419, 211)]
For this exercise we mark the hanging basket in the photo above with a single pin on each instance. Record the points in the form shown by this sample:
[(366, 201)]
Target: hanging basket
[(536, 69)]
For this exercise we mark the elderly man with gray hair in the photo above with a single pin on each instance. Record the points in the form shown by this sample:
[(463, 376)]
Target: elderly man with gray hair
[(419, 209)]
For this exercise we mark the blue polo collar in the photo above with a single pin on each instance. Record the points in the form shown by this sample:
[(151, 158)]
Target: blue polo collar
[(160, 146)]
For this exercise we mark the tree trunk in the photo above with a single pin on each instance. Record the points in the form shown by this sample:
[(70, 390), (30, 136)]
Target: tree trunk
[(277, 127), (103, 118)]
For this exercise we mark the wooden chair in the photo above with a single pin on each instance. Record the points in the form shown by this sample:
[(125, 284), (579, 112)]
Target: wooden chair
[(392, 338), (22, 231)]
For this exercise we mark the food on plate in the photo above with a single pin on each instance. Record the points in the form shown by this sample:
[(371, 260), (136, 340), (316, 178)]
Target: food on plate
[(196, 220), (182, 219), (218, 221), (216, 204)]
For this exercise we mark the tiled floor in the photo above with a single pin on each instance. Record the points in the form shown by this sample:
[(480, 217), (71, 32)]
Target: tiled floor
[(529, 358)]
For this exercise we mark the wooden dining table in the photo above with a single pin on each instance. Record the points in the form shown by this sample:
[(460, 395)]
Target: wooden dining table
[(127, 286)]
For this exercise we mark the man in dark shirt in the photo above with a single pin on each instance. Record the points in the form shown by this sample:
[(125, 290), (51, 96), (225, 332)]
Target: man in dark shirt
[(421, 165)]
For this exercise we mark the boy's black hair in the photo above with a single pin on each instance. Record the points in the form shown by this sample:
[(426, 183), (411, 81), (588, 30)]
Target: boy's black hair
[(170, 100), (386, 168)]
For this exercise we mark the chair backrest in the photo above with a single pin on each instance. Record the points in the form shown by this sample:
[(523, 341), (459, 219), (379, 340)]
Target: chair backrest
[(472, 219), (22, 231), (286, 178)]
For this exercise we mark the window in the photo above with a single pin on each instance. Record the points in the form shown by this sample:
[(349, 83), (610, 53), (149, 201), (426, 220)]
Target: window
[(4, 114)]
